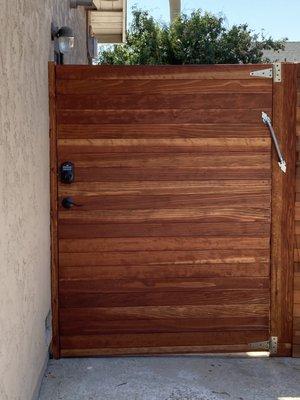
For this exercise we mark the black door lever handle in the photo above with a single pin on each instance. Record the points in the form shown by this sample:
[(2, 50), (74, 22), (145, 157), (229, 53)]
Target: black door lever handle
[(67, 202)]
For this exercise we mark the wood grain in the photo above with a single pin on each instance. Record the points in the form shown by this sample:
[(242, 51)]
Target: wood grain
[(154, 285), (146, 188), (146, 116), (153, 72), (180, 229), (201, 214), (166, 271), (151, 340), (169, 250), (92, 174), (161, 244), (162, 131), (88, 326), (167, 202), (164, 257), (142, 86), (155, 312), (147, 351), (283, 203), (296, 304), (181, 297), (160, 101)]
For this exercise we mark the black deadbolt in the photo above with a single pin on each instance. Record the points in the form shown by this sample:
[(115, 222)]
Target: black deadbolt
[(67, 172)]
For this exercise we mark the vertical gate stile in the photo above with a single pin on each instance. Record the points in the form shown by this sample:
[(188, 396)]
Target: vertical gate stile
[(283, 209), (55, 347)]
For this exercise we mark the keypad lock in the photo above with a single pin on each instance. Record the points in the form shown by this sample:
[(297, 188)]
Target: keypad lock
[(67, 172)]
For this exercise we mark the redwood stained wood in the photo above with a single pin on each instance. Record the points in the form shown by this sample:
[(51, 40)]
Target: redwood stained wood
[(148, 131), (200, 214), (165, 339), (159, 243), (146, 116), (158, 146), (90, 174), (238, 160), (55, 345), (158, 312), (204, 187), (165, 201), (165, 271), (88, 326), (207, 72), (188, 297), (170, 248), (164, 257), (167, 285), (180, 229), (226, 348), (283, 203), (165, 101), (296, 304), (137, 86)]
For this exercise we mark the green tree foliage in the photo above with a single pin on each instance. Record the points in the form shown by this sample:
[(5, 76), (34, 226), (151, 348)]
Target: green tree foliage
[(201, 38)]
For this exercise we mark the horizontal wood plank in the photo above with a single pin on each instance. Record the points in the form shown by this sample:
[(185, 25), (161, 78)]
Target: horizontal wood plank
[(122, 72), (161, 244), (159, 131), (204, 187), (173, 161), (167, 85), (210, 213), (95, 174), (174, 298), (95, 230), (98, 146), (166, 271), (164, 312), (158, 350), (165, 257), (181, 116), (165, 339), (154, 285), (87, 326), (159, 101)]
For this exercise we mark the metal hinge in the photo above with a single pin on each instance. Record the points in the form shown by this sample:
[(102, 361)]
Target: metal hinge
[(274, 72), (268, 345)]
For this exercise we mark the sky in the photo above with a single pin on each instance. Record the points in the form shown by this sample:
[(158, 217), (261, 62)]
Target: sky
[(277, 18)]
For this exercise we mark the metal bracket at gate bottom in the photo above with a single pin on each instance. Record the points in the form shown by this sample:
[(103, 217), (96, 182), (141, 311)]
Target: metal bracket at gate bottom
[(269, 345), (267, 121)]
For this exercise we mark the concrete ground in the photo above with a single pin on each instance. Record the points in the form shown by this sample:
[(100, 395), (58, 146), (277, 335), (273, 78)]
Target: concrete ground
[(172, 378)]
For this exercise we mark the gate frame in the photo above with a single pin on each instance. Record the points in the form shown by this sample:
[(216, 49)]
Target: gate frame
[(282, 220), (55, 344), (283, 210)]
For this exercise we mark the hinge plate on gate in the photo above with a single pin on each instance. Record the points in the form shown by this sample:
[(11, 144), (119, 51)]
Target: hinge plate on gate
[(274, 72), (268, 345), (262, 73), (277, 72)]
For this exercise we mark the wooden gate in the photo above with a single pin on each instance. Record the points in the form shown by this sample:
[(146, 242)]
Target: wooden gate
[(167, 249)]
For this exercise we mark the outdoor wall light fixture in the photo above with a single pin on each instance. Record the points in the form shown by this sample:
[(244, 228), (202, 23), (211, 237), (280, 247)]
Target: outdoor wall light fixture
[(64, 38), (84, 3)]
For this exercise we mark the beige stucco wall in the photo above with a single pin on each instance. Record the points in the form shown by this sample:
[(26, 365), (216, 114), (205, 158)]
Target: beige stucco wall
[(25, 48)]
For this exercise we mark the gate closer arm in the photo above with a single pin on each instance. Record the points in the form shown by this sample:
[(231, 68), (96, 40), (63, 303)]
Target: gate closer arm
[(267, 121)]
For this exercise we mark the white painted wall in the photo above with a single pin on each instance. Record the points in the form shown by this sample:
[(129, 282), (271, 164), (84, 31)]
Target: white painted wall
[(25, 48)]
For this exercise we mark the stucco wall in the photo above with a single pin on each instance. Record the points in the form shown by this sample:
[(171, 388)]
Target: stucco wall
[(25, 48)]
